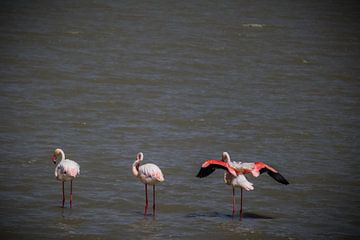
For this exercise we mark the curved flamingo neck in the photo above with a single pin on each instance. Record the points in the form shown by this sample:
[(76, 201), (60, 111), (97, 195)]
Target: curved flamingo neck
[(226, 157), (136, 164), (58, 152), (135, 167), (62, 155)]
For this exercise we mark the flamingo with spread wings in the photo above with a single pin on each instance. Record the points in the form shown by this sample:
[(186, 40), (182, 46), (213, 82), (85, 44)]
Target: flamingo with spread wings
[(235, 174)]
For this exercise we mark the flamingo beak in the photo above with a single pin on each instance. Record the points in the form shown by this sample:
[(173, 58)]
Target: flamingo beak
[(54, 159)]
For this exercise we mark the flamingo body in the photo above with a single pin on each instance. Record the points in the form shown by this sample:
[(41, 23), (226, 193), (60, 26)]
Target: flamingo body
[(238, 181), (67, 170), (150, 174)]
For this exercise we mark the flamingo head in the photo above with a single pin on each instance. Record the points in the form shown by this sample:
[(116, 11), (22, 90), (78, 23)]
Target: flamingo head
[(225, 157), (57, 153), (136, 164), (139, 156)]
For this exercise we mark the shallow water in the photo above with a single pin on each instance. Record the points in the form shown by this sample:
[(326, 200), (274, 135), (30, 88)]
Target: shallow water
[(181, 82)]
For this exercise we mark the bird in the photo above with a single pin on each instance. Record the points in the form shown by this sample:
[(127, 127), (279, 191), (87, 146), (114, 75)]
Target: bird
[(235, 174), (149, 174), (66, 170)]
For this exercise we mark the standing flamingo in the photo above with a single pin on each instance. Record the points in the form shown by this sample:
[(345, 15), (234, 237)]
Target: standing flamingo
[(66, 170), (149, 174), (235, 174)]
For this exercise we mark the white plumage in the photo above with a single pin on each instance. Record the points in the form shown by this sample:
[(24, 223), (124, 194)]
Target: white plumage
[(67, 170), (239, 180), (150, 174)]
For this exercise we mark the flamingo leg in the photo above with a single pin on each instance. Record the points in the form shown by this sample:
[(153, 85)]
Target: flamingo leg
[(146, 200), (71, 194), (154, 200), (63, 194), (233, 201), (241, 205)]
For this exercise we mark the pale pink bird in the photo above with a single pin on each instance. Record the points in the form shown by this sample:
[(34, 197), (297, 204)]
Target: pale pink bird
[(235, 174), (66, 170), (149, 174)]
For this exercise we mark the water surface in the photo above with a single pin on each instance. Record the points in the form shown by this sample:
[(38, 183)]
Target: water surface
[(182, 82)]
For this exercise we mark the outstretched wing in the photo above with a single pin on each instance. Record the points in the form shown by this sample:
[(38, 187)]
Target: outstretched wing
[(210, 166), (262, 167)]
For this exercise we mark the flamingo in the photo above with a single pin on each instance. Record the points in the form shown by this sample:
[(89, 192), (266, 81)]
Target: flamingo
[(235, 174), (149, 174), (66, 170)]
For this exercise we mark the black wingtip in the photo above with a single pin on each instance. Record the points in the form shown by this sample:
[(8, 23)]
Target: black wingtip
[(199, 174), (204, 172), (278, 177)]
